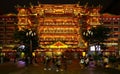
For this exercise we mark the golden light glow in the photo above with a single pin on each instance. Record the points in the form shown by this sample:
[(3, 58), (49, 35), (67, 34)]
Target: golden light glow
[(59, 25), (22, 55), (58, 45), (48, 54), (33, 54), (83, 54)]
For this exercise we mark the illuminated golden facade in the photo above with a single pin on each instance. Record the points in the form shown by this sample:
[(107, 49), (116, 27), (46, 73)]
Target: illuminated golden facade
[(58, 26), (112, 22), (7, 28)]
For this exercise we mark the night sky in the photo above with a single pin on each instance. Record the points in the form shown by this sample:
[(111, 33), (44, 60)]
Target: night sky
[(109, 6)]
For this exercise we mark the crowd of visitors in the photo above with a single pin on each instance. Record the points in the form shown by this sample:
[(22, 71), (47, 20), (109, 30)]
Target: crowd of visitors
[(62, 62)]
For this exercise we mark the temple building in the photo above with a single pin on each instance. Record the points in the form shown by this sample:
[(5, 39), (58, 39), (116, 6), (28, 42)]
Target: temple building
[(8, 24), (59, 27), (112, 22)]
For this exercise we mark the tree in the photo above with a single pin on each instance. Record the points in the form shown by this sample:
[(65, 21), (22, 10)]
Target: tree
[(96, 35), (100, 33), (21, 38)]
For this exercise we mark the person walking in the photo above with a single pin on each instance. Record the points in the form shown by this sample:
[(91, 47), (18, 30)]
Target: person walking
[(58, 64), (64, 61), (106, 61), (82, 62), (47, 63)]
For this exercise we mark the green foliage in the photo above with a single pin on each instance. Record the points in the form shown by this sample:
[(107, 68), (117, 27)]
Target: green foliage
[(20, 35), (99, 34), (22, 38)]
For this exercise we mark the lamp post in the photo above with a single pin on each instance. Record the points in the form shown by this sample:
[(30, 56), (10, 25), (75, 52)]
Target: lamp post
[(30, 35)]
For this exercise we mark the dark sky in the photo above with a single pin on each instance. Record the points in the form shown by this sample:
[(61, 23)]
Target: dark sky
[(110, 6)]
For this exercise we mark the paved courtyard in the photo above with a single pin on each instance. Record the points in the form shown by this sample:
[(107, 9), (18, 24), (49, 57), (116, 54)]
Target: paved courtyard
[(11, 68)]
